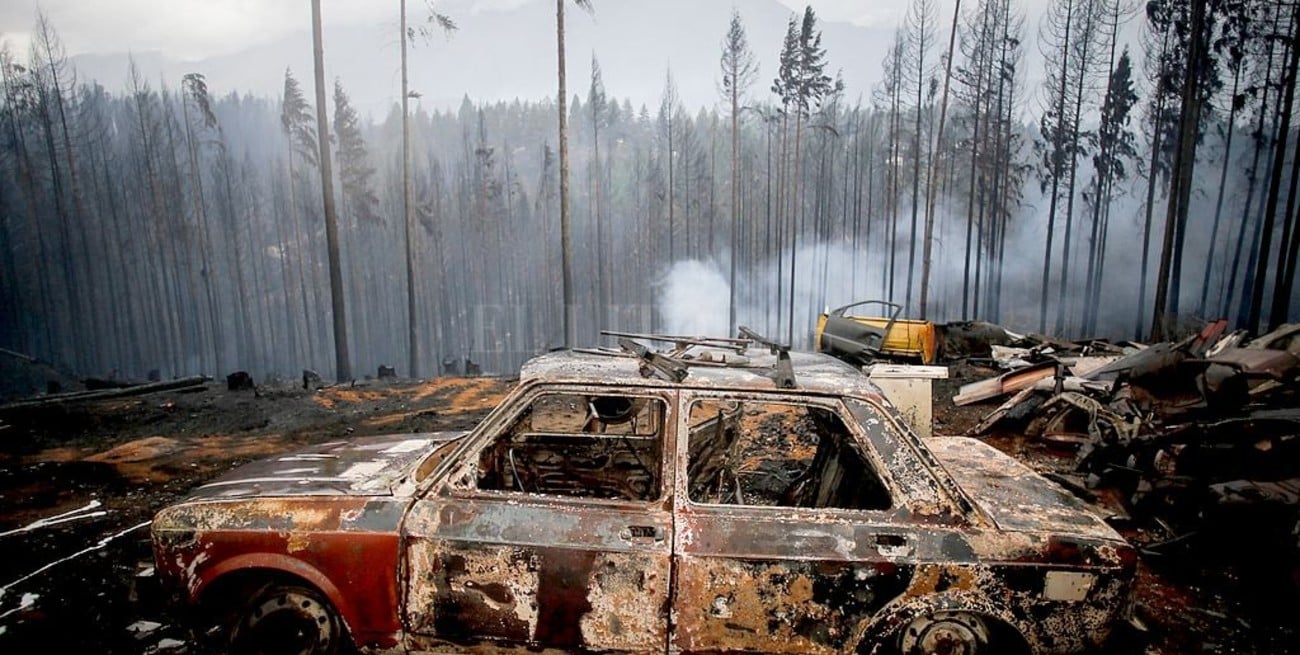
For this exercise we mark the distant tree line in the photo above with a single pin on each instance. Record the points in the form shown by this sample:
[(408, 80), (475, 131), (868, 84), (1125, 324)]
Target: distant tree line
[(181, 228)]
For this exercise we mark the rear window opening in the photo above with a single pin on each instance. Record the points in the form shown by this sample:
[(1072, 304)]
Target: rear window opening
[(779, 455)]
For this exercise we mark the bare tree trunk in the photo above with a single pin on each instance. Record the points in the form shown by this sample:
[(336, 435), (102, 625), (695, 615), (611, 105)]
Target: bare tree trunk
[(1274, 188), (1087, 38), (934, 165), (601, 312), (1184, 165), (1218, 203), (342, 366), (1090, 306), (916, 176), (1284, 278), (408, 214), (794, 219), (896, 125), (1057, 146), (735, 190), (200, 215), (566, 245), (781, 215), (1150, 202), (970, 194)]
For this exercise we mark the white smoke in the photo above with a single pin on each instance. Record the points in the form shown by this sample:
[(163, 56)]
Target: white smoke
[(694, 295), (695, 299)]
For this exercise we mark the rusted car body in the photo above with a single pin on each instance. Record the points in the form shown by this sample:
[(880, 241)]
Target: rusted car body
[(599, 508), (861, 339)]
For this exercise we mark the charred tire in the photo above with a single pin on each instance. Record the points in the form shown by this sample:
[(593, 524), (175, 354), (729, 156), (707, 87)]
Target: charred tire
[(287, 619), (948, 633)]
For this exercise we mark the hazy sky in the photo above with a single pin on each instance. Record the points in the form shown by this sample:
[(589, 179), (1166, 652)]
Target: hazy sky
[(231, 40), (196, 29)]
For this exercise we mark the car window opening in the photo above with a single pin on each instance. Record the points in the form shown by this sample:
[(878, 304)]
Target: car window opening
[(603, 447), (778, 454)]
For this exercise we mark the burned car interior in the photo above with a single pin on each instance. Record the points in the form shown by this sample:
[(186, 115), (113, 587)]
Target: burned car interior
[(777, 454), (607, 447), (741, 452)]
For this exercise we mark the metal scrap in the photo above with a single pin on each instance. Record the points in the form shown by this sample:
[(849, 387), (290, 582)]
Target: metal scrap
[(1190, 433)]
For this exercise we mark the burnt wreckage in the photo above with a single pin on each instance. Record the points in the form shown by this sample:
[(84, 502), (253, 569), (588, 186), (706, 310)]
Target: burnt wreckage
[(723, 495), (1200, 437)]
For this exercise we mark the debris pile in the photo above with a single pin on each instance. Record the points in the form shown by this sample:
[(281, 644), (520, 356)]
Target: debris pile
[(1198, 434)]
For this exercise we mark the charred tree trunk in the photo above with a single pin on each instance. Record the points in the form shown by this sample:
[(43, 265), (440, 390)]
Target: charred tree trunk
[(342, 365)]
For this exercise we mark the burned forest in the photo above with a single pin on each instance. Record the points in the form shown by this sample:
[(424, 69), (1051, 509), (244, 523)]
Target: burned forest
[(812, 252)]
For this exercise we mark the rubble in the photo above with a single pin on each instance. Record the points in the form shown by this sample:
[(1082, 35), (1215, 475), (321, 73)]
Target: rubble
[(1286, 337), (1193, 435)]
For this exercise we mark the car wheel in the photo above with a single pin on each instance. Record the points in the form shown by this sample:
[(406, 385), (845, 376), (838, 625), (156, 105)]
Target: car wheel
[(950, 633), (287, 620)]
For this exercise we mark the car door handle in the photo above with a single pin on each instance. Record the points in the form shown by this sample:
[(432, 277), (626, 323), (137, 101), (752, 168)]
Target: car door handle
[(642, 533), (893, 545)]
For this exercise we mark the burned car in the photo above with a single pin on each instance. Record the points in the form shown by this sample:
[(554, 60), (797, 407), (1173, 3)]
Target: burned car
[(727, 498)]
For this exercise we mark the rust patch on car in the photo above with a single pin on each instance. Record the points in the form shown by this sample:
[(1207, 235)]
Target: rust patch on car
[(932, 579), (617, 583)]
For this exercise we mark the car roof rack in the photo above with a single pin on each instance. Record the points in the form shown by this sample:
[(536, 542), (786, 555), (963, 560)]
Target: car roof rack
[(681, 344), (783, 371), (653, 362), (674, 364)]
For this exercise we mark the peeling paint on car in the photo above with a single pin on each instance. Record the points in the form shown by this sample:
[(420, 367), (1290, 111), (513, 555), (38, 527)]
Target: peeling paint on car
[(416, 551)]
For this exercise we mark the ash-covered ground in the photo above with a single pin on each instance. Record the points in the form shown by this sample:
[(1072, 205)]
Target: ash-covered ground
[(80, 480)]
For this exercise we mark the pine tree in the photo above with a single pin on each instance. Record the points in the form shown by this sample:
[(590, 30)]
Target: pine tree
[(1116, 151), (355, 171), (803, 86), (739, 70), (194, 89)]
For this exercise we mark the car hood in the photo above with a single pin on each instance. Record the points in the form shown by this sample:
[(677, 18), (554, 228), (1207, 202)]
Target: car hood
[(1015, 497), (373, 466)]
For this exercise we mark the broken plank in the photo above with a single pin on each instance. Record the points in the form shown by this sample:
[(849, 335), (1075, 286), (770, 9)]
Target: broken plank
[(977, 391), (1004, 384)]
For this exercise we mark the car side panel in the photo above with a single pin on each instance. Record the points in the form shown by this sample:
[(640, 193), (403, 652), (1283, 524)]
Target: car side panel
[(777, 582), (537, 573)]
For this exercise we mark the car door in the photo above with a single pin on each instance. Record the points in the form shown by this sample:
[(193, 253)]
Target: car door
[(789, 531), (557, 534)]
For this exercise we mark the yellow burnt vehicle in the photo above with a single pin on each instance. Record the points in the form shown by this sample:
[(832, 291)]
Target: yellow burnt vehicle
[(861, 338)]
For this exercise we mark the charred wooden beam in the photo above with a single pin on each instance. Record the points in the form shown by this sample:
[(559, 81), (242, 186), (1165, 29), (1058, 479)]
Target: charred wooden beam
[(83, 396)]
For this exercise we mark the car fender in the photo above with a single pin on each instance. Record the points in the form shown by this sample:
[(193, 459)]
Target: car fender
[(275, 562)]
